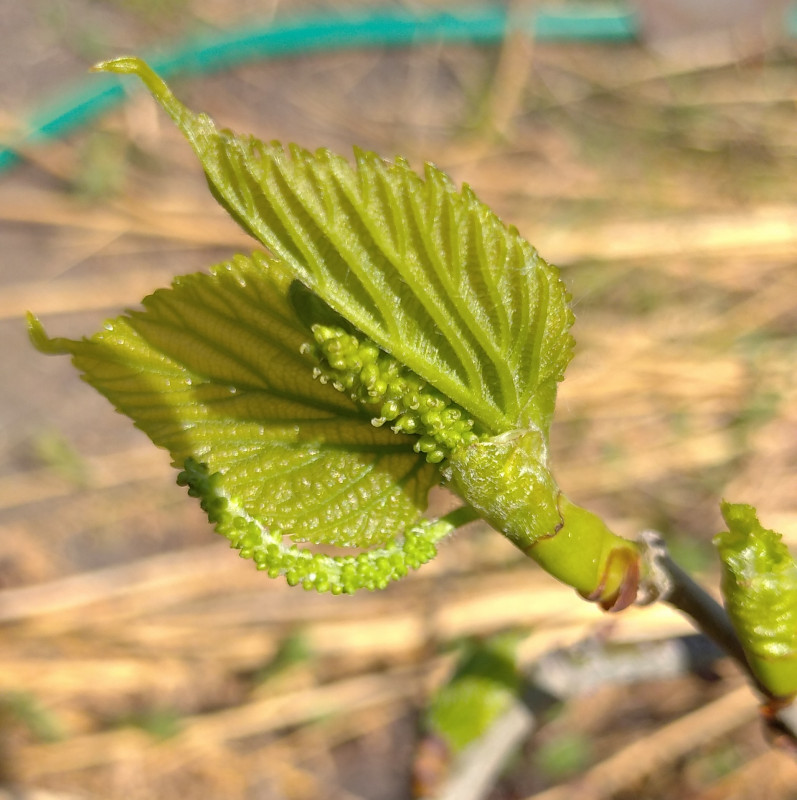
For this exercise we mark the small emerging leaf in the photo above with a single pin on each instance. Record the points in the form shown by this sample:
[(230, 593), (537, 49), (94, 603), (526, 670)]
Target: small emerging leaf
[(759, 585), (484, 686)]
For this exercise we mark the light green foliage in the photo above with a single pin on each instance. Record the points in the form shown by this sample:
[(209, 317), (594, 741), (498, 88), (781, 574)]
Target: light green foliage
[(484, 686), (759, 585), (293, 651), (26, 709), (324, 573), (161, 724), (102, 167), (414, 301), (428, 273), (212, 369), (53, 450)]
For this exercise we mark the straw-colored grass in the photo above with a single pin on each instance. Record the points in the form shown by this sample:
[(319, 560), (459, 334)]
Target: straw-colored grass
[(665, 190)]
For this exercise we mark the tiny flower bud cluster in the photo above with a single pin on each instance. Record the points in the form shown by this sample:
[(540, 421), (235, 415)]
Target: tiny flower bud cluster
[(398, 396), (324, 573)]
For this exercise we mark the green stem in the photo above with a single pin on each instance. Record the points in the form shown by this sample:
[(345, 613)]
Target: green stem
[(585, 554), (457, 518), (507, 480)]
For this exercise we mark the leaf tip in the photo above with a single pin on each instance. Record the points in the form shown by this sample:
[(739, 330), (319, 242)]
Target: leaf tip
[(41, 341), (746, 533), (123, 65), (734, 513), (133, 65)]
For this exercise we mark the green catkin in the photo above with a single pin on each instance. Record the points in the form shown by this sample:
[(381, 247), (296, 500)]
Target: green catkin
[(301, 567), (390, 391)]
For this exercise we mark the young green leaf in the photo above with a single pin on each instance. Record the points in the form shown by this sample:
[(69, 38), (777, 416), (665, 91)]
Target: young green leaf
[(428, 273), (484, 686), (443, 331), (212, 369), (759, 585)]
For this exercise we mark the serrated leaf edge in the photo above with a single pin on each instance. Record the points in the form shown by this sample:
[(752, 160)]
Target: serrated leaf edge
[(372, 569)]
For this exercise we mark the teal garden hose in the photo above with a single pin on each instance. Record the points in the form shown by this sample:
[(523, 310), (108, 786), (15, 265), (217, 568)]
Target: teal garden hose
[(298, 36)]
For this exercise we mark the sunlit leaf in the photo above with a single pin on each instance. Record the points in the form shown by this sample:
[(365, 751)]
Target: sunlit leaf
[(427, 272), (759, 585), (212, 370), (442, 330)]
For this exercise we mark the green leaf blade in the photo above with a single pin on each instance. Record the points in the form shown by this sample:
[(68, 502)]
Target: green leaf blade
[(428, 273), (212, 370)]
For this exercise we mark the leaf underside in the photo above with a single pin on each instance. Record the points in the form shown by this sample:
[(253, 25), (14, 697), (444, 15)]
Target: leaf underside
[(428, 273), (211, 369)]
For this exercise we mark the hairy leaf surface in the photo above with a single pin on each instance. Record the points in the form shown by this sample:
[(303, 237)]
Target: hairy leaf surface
[(211, 369), (428, 273), (759, 585)]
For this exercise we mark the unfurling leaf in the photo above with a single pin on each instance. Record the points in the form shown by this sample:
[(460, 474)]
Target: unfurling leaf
[(759, 585), (436, 336), (212, 370), (486, 683)]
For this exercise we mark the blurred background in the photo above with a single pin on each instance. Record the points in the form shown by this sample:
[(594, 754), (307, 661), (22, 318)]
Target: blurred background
[(652, 155)]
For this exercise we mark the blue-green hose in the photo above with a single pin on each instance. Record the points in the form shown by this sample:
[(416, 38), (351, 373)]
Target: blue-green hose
[(376, 28)]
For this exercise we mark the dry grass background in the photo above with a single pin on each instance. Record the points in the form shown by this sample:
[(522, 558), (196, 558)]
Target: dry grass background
[(141, 660)]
